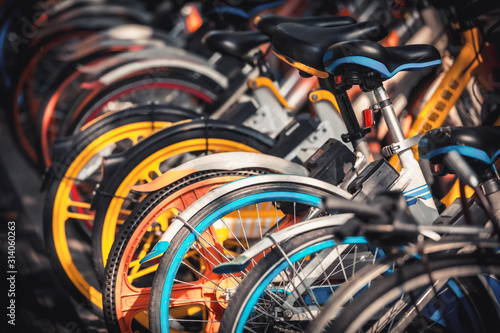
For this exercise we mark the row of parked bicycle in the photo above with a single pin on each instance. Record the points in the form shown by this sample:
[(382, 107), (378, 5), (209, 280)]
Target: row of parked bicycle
[(195, 182)]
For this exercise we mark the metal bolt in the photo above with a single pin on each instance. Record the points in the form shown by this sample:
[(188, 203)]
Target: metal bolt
[(288, 313)]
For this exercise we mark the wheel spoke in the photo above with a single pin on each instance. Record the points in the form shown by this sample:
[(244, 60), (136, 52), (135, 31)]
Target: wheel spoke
[(80, 216)]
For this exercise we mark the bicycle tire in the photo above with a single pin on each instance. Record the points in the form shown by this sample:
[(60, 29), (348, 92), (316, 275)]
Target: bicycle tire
[(119, 317), (470, 294), (24, 111), (24, 86), (201, 135), (199, 90), (62, 94), (201, 215), (64, 173), (272, 283)]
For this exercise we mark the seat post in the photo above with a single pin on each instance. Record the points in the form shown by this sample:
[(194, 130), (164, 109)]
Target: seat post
[(389, 114), (384, 102)]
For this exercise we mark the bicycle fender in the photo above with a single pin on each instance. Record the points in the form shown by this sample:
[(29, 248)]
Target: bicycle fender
[(183, 219), (108, 45), (154, 64), (121, 59), (243, 260), (224, 161), (128, 34)]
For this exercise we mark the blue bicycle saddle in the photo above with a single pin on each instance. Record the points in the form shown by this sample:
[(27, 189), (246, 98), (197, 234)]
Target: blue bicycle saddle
[(387, 61)]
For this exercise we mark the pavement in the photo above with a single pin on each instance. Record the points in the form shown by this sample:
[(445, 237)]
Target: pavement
[(40, 302)]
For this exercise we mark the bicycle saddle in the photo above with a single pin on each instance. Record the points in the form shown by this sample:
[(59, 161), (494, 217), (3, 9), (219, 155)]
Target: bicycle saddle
[(267, 22), (387, 61), (478, 145), (235, 43), (303, 46)]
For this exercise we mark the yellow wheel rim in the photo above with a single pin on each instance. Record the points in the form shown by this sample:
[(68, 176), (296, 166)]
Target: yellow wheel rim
[(64, 203), (141, 173)]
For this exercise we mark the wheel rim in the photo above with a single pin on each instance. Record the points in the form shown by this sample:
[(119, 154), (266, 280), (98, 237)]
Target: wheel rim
[(141, 173), (257, 294), (124, 288), (66, 207), (278, 290), (30, 96), (48, 134), (420, 287), (179, 294), (196, 95)]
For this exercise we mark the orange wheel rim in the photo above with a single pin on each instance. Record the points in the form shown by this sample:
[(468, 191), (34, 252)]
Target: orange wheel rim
[(130, 300)]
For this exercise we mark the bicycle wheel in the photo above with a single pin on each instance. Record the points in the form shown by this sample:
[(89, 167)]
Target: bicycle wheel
[(60, 99), (125, 278), (453, 293), (186, 294), (174, 86), (71, 182), (287, 288), (26, 105), (153, 157), (30, 87)]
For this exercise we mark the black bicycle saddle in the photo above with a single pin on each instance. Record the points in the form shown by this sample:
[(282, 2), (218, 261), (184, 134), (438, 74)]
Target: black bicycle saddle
[(480, 146), (235, 43), (303, 46), (372, 56), (267, 22)]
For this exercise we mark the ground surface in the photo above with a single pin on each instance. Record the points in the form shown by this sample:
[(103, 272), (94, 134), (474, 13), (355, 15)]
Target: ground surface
[(41, 302)]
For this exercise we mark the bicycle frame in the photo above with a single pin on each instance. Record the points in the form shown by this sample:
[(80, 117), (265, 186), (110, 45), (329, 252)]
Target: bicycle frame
[(411, 180)]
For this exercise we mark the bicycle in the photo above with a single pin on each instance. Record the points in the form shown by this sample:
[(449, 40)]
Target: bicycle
[(71, 180), (435, 272), (458, 77), (314, 260)]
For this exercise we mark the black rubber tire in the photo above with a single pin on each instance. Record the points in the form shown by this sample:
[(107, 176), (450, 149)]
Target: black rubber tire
[(264, 267), (82, 109)]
